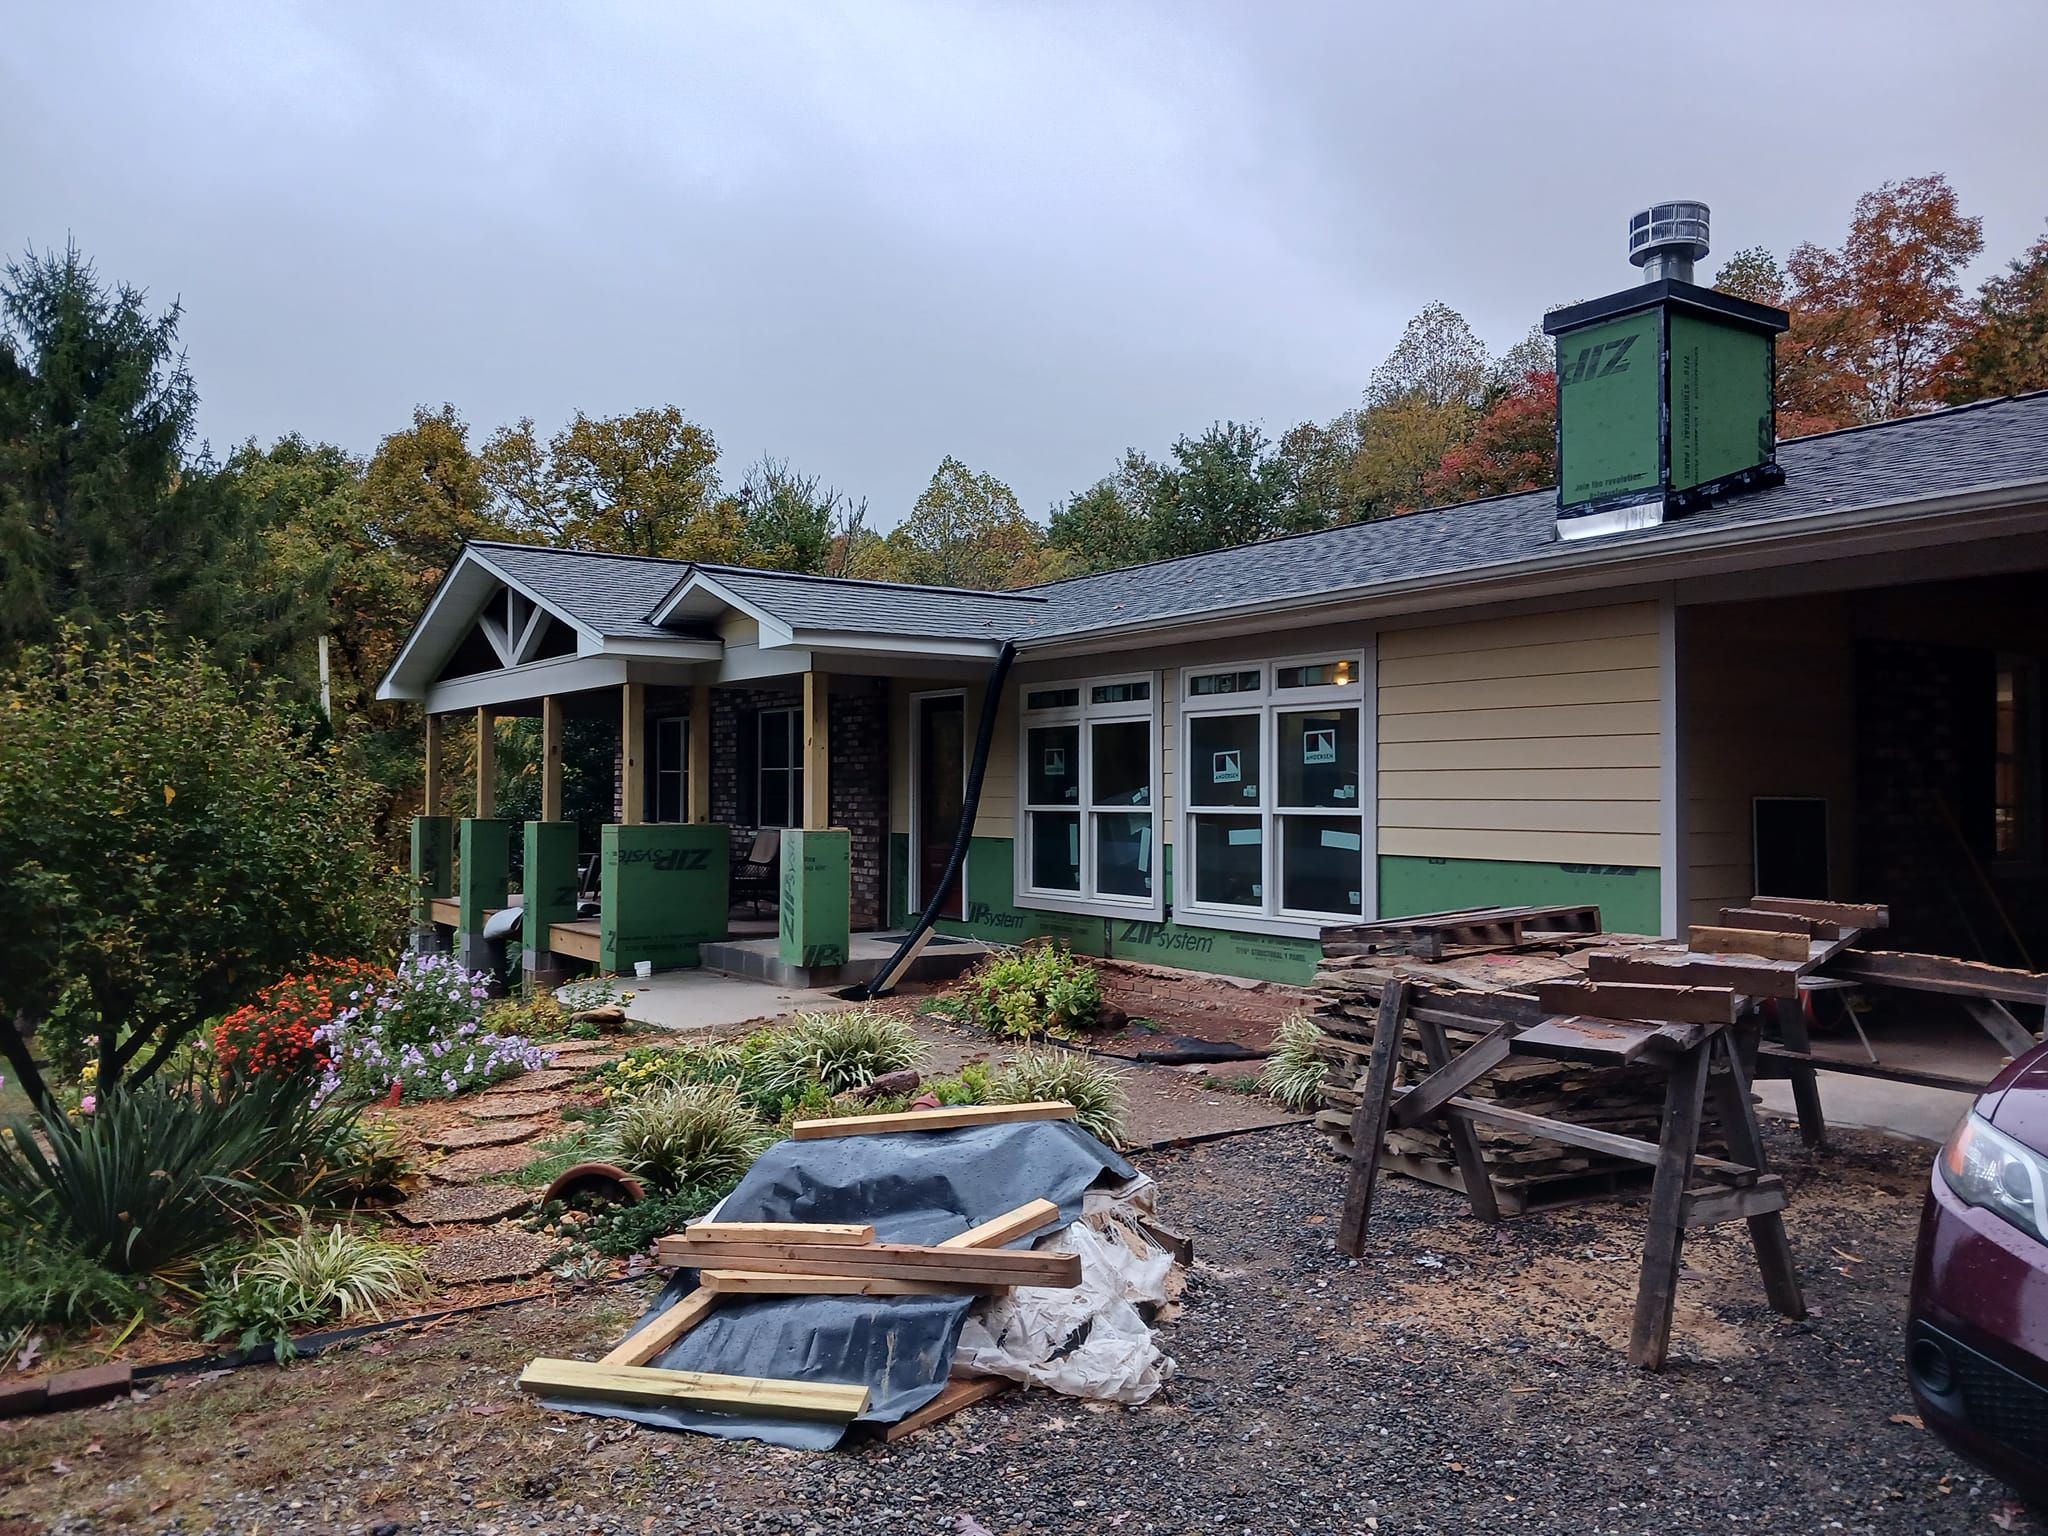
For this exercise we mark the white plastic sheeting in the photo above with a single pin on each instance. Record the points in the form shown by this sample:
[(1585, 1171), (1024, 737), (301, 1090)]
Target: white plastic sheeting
[(1091, 1340)]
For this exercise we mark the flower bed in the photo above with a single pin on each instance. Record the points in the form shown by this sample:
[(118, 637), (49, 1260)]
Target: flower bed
[(421, 1033), (277, 1032)]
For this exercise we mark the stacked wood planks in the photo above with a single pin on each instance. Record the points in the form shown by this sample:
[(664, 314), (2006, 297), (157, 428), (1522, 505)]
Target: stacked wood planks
[(1471, 995), (1554, 976), (736, 1261)]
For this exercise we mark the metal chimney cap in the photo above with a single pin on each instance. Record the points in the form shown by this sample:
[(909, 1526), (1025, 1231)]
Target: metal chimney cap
[(1674, 229)]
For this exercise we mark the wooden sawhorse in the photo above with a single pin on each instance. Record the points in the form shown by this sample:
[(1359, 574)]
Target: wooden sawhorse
[(1709, 1048)]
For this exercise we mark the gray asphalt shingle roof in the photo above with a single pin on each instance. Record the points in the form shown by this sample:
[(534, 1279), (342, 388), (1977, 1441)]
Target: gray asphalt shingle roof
[(613, 594), (879, 608), (1948, 451), (1991, 443)]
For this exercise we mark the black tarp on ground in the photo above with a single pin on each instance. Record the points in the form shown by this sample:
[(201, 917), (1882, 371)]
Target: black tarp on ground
[(915, 1187)]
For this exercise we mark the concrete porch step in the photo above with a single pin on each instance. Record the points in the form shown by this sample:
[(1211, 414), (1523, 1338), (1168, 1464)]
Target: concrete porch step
[(943, 959)]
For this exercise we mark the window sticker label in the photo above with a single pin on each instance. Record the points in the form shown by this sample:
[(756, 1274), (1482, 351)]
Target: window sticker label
[(1350, 841), (1226, 767), (1319, 745), (1241, 837), (1055, 762)]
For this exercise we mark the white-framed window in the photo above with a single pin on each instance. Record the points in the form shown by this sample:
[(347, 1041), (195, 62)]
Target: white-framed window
[(668, 790), (779, 767), (1089, 781), (1274, 790)]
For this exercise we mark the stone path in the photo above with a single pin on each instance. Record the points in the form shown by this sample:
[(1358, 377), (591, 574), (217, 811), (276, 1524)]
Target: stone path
[(534, 1082), (452, 1204), (457, 1137), (515, 1106), (479, 1164)]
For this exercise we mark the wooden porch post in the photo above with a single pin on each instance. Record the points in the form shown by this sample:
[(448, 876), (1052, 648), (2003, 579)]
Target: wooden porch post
[(551, 758), (434, 789), (633, 755), (486, 764), (700, 754), (817, 733)]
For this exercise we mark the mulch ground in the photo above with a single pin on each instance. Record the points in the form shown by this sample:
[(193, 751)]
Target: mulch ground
[(1461, 1378)]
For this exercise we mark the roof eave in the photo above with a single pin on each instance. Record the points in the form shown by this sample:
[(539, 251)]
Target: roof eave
[(775, 631), (943, 646)]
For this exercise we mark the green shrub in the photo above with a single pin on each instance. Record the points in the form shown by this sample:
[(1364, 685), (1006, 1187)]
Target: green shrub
[(1095, 1089), (1293, 1074), (1038, 990), (42, 1286), (161, 1172), (620, 1231), (837, 1051), (170, 842), (970, 1087), (303, 1279), (689, 1133), (591, 992), (648, 1067)]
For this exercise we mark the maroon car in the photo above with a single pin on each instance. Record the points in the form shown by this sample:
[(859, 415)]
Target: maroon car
[(1977, 1333)]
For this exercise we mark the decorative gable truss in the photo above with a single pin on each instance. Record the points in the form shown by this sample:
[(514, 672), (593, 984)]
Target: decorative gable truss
[(517, 627)]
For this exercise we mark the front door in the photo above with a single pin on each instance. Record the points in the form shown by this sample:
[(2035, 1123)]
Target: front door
[(940, 756)]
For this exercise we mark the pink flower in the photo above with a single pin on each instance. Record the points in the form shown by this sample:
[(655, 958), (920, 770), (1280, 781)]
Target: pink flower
[(87, 1103)]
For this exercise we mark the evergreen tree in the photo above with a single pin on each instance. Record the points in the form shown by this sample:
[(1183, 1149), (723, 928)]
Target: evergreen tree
[(102, 512)]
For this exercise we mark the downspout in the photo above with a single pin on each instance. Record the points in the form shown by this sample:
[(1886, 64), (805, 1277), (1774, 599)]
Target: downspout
[(884, 981)]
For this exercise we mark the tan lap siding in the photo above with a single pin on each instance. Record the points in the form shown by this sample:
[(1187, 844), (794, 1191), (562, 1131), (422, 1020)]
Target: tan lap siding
[(997, 815), (1768, 694), (1533, 738)]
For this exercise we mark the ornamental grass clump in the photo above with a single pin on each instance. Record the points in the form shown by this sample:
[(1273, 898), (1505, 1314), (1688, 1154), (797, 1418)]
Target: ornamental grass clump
[(1038, 990), (1095, 1089), (834, 1051), (424, 1032), (1293, 1075), (686, 1133), (302, 1279)]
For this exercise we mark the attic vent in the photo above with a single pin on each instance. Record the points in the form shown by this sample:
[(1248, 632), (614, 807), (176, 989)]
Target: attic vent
[(1666, 240), (1664, 391)]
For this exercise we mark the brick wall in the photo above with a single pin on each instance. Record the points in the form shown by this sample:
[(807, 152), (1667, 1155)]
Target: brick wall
[(858, 798), (859, 795)]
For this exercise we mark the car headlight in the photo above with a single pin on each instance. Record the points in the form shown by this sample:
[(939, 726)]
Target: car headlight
[(1988, 1169)]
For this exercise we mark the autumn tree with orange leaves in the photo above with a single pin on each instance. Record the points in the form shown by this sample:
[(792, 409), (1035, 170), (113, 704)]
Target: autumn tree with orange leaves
[(1877, 323)]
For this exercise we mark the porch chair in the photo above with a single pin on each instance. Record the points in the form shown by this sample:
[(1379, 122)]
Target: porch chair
[(758, 875)]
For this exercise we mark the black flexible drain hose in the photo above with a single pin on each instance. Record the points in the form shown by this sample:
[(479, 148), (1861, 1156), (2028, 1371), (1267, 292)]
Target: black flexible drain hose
[(970, 803)]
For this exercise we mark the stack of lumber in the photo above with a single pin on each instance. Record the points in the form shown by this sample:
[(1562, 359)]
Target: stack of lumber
[(739, 1261), (1474, 988), (1434, 935)]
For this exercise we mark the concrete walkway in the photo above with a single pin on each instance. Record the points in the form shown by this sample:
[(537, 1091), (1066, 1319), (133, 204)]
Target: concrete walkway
[(1872, 1104), (699, 999)]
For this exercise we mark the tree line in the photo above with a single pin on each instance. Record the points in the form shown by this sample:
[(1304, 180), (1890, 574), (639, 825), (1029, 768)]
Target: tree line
[(108, 506)]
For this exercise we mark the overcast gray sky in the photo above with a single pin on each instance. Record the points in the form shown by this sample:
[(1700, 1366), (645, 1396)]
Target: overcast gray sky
[(864, 236)]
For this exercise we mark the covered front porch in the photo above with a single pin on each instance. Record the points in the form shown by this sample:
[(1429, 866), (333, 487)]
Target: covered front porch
[(709, 791)]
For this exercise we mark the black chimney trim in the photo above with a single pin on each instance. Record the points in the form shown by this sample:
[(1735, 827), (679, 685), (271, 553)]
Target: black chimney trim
[(1761, 317)]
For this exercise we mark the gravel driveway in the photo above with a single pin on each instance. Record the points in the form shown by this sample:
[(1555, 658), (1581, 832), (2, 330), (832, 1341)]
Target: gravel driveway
[(1460, 1378)]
